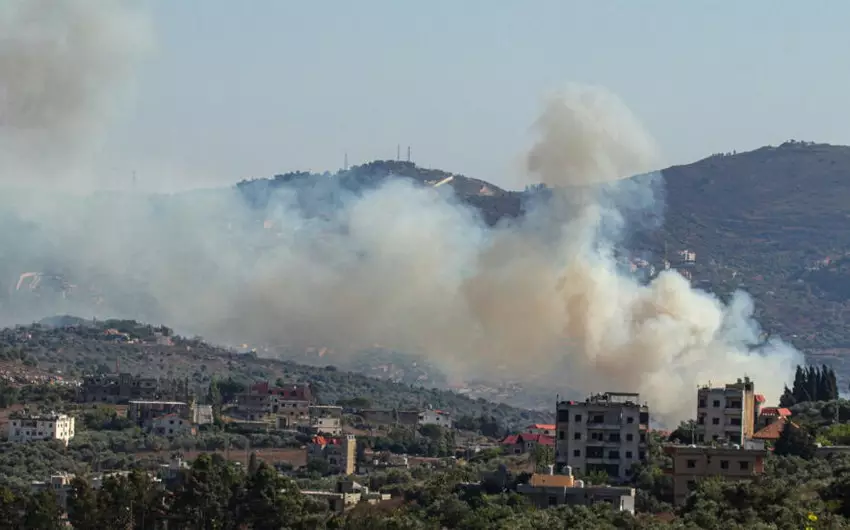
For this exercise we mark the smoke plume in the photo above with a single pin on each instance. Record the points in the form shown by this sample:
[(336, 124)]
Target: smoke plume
[(541, 299)]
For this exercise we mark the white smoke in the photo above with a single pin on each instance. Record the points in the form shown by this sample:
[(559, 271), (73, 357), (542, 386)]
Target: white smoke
[(540, 299)]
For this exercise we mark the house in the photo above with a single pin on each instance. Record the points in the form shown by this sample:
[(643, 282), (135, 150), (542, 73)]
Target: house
[(170, 425), (123, 387), (541, 428), (692, 463), (286, 406), (769, 415), (408, 418), (142, 412), (339, 453), (771, 431), (549, 490), (325, 419), (525, 443), (435, 417), (727, 413), (202, 415), (606, 432), (346, 495), (24, 427)]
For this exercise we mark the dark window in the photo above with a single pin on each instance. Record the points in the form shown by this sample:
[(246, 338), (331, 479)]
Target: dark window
[(642, 455), (744, 465), (628, 454), (614, 437), (598, 418), (701, 420), (724, 464), (553, 501), (577, 436), (560, 435), (578, 418), (629, 437), (643, 437), (630, 419), (644, 417), (702, 403), (692, 464), (563, 416), (615, 455), (692, 484), (716, 403), (735, 421), (577, 452), (715, 421)]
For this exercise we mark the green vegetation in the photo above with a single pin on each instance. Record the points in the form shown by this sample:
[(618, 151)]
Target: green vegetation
[(811, 384)]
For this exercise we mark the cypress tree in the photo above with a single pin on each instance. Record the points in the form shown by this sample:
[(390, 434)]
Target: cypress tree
[(798, 390)]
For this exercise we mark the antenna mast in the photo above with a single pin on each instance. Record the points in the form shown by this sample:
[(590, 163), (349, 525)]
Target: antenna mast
[(408, 153)]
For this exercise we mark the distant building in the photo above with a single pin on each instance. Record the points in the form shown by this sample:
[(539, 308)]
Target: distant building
[(606, 432), (202, 415), (325, 419), (408, 418), (286, 406), (170, 425), (142, 412), (541, 428), (25, 427), (347, 494), (692, 463), (769, 415), (525, 443), (340, 453), (549, 490), (121, 388), (726, 413), (435, 417)]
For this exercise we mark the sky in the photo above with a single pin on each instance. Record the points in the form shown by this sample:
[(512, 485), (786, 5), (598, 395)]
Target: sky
[(236, 90)]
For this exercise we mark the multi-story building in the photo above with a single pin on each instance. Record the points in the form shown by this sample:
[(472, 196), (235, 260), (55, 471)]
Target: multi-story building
[(25, 427), (692, 463), (121, 388), (287, 406), (409, 418), (435, 417), (339, 453), (142, 412), (325, 419), (606, 432), (170, 425), (727, 413)]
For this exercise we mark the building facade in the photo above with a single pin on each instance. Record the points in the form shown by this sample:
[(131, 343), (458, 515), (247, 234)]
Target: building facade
[(550, 490), (606, 432), (339, 453), (170, 425), (727, 413), (25, 428), (435, 417), (121, 388), (142, 412), (692, 463)]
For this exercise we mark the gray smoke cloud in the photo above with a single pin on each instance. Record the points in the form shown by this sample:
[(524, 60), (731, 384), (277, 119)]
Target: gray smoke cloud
[(540, 299), (63, 66)]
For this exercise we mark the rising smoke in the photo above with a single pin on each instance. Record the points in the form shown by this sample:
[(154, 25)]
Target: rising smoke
[(540, 299)]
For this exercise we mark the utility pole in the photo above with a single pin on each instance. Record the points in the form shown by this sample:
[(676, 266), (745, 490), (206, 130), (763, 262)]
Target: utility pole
[(408, 153), (397, 152)]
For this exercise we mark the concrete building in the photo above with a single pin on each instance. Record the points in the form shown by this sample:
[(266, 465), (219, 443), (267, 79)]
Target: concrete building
[(142, 412), (121, 388), (286, 406), (606, 432), (548, 490), (692, 463), (727, 413), (202, 415), (409, 418), (346, 495), (170, 425), (339, 453), (325, 419), (435, 417), (26, 427), (541, 428)]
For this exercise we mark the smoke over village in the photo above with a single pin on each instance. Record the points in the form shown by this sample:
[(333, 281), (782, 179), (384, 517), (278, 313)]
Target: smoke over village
[(540, 298)]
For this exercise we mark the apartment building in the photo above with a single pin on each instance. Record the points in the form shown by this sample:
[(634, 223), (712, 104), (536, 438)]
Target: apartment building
[(606, 432), (25, 427), (435, 417), (727, 413), (692, 463)]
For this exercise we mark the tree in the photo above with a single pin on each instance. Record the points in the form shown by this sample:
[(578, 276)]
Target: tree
[(543, 456), (271, 501), (252, 463), (794, 441), (83, 510), (12, 508), (787, 399), (42, 512)]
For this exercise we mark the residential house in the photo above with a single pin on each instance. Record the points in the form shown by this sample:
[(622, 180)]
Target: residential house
[(24, 427), (606, 432), (347, 494), (339, 453), (549, 490), (768, 415), (541, 428), (409, 418), (123, 387), (170, 425), (525, 443), (435, 417), (692, 463), (325, 419), (727, 413), (142, 412)]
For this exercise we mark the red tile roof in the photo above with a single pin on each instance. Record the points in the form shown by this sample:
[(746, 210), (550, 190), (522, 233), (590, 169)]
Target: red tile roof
[(511, 439), (775, 411), (541, 439), (772, 431)]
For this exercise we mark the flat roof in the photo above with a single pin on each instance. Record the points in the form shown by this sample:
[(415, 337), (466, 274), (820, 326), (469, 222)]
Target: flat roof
[(157, 402)]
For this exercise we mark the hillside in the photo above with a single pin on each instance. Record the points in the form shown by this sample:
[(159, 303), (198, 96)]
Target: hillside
[(73, 347)]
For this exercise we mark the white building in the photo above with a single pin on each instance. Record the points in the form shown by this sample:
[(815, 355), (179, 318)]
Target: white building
[(170, 425), (202, 415), (435, 417), (27, 428), (727, 413), (606, 432)]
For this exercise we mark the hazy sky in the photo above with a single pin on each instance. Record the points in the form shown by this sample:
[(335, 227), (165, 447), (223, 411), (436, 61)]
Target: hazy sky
[(247, 89)]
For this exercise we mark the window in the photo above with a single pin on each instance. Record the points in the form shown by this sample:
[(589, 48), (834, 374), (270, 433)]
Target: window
[(735, 421), (560, 435), (614, 455), (743, 465), (577, 436), (630, 437), (578, 417), (715, 421), (577, 453), (597, 418), (691, 464), (628, 454), (563, 416), (716, 403), (614, 437), (724, 464), (702, 403), (643, 437), (692, 484), (553, 501), (701, 420), (630, 419), (642, 455)]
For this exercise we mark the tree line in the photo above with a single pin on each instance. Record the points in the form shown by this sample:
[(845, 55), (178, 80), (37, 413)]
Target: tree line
[(811, 384)]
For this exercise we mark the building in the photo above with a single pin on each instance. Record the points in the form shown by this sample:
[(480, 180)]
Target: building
[(286, 406), (606, 432), (121, 388), (409, 418), (769, 415), (325, 419), (727, 413), (170, 425), (772, 431), (548, 490), (339, 453), (142, 412), (346, 495), (541, 428), (692, 463), (26, 427), (525, 443), (203, 415), (435, 417)]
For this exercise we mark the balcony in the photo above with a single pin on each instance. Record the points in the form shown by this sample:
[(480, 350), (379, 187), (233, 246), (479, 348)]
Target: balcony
[(604, 426)]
